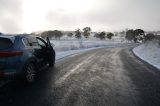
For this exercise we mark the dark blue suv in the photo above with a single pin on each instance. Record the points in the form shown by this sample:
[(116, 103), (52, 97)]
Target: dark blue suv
[(22, 56)]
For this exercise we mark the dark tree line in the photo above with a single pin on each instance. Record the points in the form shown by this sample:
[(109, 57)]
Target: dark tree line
[(78, 33), (139, 35), (56, 34), (135, 35), (149, 36), (103, 35), (86, 32)]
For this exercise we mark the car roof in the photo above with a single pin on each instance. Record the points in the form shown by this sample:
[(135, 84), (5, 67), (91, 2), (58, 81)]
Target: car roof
[(13, 36)]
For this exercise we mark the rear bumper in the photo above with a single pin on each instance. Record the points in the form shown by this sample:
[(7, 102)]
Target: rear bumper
[(8, 75)]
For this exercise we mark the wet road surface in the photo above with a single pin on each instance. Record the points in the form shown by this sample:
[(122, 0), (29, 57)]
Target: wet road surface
[(101, 77)]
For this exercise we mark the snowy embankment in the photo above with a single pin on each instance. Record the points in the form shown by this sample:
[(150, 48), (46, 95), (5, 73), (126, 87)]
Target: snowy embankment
[(149, 52)]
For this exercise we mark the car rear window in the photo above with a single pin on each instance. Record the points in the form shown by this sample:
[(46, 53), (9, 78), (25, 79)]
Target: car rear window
[(5, 43)]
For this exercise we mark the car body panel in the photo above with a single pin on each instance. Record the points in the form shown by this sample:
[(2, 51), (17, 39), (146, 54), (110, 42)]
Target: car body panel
[(14, 66)]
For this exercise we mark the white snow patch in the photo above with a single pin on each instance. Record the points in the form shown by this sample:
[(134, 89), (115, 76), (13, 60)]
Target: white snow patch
[(65, 48), (65, 45), (63, 54), (149, 52)]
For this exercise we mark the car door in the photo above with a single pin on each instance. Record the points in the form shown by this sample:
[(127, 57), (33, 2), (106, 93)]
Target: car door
[(48, 51), (43, 44), (37, 51)]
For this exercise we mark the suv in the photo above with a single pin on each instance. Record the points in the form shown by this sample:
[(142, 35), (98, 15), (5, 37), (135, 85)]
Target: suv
[(21, 56)]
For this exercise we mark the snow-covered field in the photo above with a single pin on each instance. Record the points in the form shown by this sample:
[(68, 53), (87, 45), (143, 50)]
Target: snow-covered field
[(65, 45), (71, 43), (62, 54), (149, 52), (68, 47)]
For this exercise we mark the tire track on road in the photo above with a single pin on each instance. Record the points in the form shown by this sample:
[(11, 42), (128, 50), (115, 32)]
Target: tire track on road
[(101, 73), (72, 71)]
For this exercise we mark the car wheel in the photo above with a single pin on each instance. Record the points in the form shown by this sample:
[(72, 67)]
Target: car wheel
[(30, 73), (51, 62)]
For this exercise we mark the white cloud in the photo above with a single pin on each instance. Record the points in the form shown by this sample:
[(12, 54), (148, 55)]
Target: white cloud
[(11, 15), (31, 15)]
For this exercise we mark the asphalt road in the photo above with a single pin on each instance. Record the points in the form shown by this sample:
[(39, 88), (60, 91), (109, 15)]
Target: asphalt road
[(101, 77)]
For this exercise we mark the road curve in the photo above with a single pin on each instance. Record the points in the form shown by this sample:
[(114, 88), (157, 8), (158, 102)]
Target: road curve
[(101, 77)]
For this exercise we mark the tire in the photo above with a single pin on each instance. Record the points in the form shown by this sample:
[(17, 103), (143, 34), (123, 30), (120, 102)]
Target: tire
[(30, 73), (51, 64), (52, 61)]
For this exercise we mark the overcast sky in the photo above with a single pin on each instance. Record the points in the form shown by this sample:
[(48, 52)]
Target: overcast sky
[(19, 16)]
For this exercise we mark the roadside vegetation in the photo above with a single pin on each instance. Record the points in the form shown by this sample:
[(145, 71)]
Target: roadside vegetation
[(140, 36), (128, 35), (86, 33)]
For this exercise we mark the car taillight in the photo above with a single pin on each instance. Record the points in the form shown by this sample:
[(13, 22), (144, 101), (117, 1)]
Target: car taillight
[(10, 53)]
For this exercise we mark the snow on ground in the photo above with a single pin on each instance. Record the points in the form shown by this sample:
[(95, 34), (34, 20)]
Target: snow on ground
[(71, 43), (149, 52), (65, 45), (69, 47), (63, 54)]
